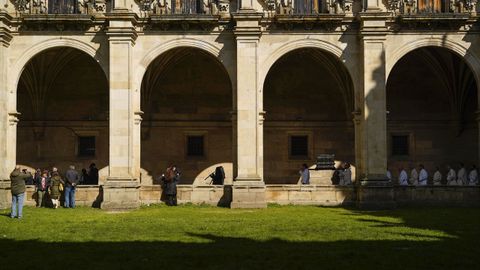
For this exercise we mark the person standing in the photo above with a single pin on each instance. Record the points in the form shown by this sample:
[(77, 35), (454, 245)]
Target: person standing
[(56, 187), (473, 176), (451, 177), (414, 177), (462, 175), (423, 176), (171, 178), (71, 181), (437, 177), (93, 174), (84, 178), (347, 174), (389, 175), (403, 177), (17, 179), (305, 174), (42, 183)]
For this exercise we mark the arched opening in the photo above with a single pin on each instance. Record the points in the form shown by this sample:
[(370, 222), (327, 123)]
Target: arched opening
[(63, 102), (308, 99), (432, 103), (186, 97)]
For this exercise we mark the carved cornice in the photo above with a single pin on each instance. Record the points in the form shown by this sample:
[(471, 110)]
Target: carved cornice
[(373, 25), (247, 24), (5, 35), (118, 29)]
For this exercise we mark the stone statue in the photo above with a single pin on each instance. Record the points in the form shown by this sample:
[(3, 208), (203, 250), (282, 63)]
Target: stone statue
[(161, 7), (409, 7), (205, 6), (23, 6), (286, 7), (38, 7), (83, 6)]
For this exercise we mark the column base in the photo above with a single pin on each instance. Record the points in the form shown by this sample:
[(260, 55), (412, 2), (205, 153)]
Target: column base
[(120, 195), (248, 193), (5, 194), (376, 194)]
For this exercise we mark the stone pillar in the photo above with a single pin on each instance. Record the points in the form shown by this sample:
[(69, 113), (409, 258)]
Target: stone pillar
[(477, 113), (121, 190), (375, 191), (8, 119), (248, 189)]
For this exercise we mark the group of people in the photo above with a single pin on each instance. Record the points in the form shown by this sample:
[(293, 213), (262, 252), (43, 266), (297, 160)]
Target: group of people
[(341, 176), (461, 177), (48, 184)]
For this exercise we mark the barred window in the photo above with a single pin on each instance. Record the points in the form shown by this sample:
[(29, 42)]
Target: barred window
[(86, 146), (195, 146), (400, 145), (299, 146)]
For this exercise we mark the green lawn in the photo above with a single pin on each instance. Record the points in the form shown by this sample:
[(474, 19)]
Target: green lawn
[(290, 237)]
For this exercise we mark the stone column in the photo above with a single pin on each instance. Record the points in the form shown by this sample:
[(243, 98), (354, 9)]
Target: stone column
[(375, 190), (8, 116), (248, 190), (477, 113), (121, 190)]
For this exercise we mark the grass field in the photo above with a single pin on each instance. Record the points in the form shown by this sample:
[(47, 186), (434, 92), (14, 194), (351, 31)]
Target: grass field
[(290, 237)]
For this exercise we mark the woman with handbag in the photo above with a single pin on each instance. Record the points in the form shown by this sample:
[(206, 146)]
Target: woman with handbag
[(56, 188)]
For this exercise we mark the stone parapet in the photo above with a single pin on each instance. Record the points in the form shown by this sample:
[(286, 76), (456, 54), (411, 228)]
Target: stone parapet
[(248, 194), (121, 195)]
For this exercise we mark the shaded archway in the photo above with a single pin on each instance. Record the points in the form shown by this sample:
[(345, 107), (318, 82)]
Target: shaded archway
[(63, 101), (186, 97), (432, 103), (308, 99)]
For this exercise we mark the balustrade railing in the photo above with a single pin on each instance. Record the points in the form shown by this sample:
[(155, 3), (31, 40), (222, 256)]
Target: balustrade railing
[(180, 7), (310, 7), (431, 7), (60, 6)]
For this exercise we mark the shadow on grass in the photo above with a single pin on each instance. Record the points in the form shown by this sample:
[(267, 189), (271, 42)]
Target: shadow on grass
[(214, 252)]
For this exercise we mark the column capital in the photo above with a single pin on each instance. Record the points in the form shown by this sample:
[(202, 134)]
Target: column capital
[(13, 118), (138, 117)]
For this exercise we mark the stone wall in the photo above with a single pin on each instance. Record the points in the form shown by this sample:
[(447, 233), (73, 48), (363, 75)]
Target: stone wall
[(290, 194)]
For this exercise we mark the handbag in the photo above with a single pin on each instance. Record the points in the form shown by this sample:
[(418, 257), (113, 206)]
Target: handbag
[(60, 187)]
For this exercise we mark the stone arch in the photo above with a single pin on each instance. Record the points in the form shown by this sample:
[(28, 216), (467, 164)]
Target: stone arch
[(472, 60), (298, 44), (153, 54), (52, 43)]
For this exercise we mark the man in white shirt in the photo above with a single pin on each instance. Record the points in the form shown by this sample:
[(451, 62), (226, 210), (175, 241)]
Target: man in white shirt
[(389, 175), (403, 177), (414, 177), (451, 177), (305, 174), (423, 176), (462, 175), (437, 177), (473, 176)]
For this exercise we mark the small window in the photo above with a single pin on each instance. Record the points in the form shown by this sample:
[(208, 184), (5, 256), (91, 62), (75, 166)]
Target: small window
[(86, 146), (195, 146), (400, 145), (299, 146)]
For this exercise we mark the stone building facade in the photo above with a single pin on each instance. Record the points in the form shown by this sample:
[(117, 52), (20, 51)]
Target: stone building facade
[(258, 87)]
